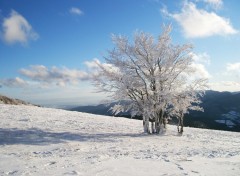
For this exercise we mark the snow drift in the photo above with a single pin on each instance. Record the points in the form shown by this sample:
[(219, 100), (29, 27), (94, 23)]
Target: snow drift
[(44, 141)]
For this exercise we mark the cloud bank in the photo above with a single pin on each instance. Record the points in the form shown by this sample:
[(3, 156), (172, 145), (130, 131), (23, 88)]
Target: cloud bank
[(232, 86), (43, 77), (58, 76), (13, 82)]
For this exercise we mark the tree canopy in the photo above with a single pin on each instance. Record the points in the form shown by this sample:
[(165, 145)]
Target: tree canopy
[(154, 76)]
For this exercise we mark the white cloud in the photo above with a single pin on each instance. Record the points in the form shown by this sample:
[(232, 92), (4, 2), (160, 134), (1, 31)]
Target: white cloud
[(233, 69), (17, 29), (228, 79), (92, 64), (95, 64), (201, 70), (75, 11), (58, 76), (203, 58), (231, 86), (198, 23), (215, 3), (43, 77), (199, 65), (13, 82)]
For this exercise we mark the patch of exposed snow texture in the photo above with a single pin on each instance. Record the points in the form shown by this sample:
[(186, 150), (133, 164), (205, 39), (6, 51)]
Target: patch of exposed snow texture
[(44, 141)]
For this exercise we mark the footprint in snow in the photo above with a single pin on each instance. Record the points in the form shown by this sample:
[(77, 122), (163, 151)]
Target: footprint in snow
[(71, 173), (179, 167), (24, 120), (196, 172), (51, 163), (166, 160), (12, 172)]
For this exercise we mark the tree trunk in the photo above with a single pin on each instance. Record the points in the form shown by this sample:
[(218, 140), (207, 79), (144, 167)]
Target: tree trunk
[(157, 125), (165, 122), (180, 123), (146, 125), (153, 127), (160, 122)]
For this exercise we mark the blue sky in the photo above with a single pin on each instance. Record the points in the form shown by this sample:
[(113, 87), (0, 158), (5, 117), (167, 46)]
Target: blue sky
[(47, 47)]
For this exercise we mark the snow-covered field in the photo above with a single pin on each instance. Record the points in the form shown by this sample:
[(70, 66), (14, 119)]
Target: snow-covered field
[(42, 141)]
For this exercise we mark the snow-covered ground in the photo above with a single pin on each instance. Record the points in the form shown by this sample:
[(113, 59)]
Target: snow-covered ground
[(44, 141)]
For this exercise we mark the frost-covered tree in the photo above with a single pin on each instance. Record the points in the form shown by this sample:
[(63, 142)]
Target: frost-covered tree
[(155, 77), (186, 100)]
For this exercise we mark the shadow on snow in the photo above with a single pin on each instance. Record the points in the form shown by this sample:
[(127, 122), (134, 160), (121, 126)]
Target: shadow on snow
[(35, 136)]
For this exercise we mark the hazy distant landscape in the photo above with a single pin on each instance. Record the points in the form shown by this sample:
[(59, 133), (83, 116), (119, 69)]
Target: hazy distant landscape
[(221, 112)]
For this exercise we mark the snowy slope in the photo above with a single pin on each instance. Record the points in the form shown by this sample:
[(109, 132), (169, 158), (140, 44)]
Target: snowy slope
[(42, 141)]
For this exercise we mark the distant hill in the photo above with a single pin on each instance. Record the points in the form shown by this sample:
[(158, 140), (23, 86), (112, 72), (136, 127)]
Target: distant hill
[(7, 100), (221, 109), (101, 109), (224, 106), (98, 109)]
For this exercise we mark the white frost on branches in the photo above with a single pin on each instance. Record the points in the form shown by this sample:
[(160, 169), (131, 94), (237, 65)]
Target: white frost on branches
[(155, 77)]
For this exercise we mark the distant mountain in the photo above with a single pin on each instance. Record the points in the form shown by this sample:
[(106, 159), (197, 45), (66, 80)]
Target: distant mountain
[(221, 111), (7, 100), (98, 109), (101, 109), (218, 107)]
